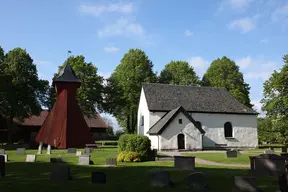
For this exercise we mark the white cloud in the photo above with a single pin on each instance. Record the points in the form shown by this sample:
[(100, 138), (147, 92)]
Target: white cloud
[(244, 62), (188, 33), (97, 10), (244, 24), (105, 74), (262, 70), (126, 28), (199, 64), (239, 3), (111, 49), (112, 119), (280, 13), (41, 62), (258, 107)]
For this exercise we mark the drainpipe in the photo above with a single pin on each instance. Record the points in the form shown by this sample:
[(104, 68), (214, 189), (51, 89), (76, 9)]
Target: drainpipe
[(158, 143)]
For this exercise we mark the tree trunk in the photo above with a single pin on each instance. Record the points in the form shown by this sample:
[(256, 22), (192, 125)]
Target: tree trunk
[(10, 130), (128, 123)]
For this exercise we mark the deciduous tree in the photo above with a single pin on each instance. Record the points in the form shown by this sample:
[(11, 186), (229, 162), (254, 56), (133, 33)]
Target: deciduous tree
[(179, 73), (223, 72)]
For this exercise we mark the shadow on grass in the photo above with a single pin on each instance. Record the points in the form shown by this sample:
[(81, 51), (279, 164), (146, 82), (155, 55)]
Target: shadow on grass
[(126, 177)]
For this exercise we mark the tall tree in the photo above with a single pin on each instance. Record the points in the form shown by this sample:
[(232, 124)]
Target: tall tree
[(179, 73), (225, 73), (275, 101), (24, 96), (124, 87), (89, 95)]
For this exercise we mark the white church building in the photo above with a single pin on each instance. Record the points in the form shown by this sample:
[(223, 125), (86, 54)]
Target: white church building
[(176, 117)]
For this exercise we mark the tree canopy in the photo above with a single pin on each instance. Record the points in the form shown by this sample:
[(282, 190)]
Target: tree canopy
[(223, 72), (26, 92), (178, 73), (89, 95), (275, 101), (124, 87)]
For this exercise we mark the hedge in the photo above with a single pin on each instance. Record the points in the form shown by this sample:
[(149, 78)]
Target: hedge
[(130, 156), (135, 143), (271, 145)]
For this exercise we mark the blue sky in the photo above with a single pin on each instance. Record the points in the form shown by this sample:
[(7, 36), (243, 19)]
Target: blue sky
[(254, 33)]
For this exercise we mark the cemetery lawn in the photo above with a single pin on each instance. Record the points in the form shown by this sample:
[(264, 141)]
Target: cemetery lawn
[(30, 177), (242, 158)]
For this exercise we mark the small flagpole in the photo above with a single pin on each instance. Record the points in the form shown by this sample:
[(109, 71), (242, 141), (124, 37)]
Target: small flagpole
[(68, 53)]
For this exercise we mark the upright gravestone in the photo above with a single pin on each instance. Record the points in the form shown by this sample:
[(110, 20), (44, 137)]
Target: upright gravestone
[(88, 150), (161, 179), (231, 153), (78, 153), (20, 151), (98, 177), (56, 160), (5, 157), (84, 160), (184, 162), (270, 151), (2, 151), (111, 162), (197, 182), (71, 150), (61, 172), (30, 158), (247, 184), (2, 166)]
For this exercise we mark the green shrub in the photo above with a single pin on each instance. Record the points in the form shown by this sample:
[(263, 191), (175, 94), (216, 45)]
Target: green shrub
[(128, 157), (134, 143)]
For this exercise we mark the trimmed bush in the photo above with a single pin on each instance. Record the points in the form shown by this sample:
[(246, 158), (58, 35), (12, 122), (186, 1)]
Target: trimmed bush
[(128, 157), (135, 143)]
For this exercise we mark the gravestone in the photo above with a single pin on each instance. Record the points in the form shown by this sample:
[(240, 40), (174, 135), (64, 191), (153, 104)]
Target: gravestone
[(78, 153), (5, 157), (161, 179), (88, 150), (2, 151), (245, 184), (84, 160), (267, 165), (282, 182), (30, 158), (61, 172), (71, 150), (2, 166), (111, 162), (231, 153), (98, 177), (269, 152), (197, 182), (20, 151), (56, 160), (184, 162), (284, 149)]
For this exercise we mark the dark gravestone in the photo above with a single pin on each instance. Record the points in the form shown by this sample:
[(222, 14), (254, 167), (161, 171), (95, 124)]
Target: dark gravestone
[(231, 154), (111, 162), (282, 181), (20, 151), (245, 184), (284, 149), (197, 182), (88, 150), (71, 150), (84, 160), (5, 157), (2, 151), (61, 172), (267, 165), (2, 166), (98, 177), (56, 160), (184, 162), (161, 179)]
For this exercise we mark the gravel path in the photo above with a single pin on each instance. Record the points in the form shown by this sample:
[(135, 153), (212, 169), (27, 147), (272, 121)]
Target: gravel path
[(204, 162)]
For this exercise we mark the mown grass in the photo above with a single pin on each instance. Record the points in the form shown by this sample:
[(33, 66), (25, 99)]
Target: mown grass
[(21, 176)]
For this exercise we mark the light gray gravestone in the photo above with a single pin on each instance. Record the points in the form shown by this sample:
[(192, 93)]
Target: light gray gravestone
[(78, 153), (20, 151), (184, 162), (84, 160), (111, 162), (88, 150), (2, 151), (231, 154), (71, 150), (30, 158)]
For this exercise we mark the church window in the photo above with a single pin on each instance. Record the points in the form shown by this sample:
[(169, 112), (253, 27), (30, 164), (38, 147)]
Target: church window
[(228, 129)]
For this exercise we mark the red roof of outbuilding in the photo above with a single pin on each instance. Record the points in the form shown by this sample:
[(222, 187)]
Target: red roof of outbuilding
[(34, 120)]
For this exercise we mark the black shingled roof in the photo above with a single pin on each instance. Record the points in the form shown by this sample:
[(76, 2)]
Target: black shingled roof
[(160, 125), (165, 97), (67, 75)]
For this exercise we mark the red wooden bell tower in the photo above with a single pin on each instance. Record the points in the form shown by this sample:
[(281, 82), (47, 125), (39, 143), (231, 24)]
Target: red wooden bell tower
[(65, 126)]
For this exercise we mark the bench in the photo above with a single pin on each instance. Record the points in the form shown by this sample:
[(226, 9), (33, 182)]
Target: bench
[(93, 145)]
